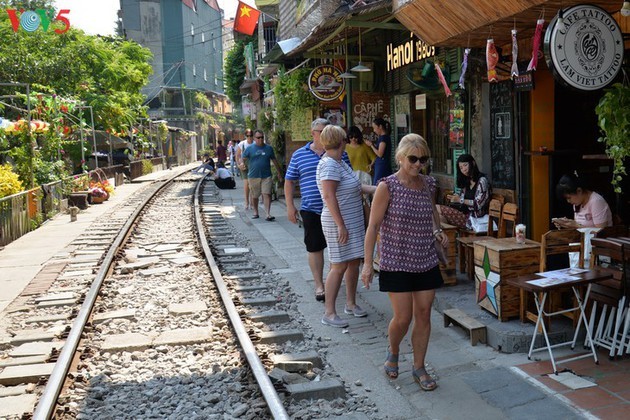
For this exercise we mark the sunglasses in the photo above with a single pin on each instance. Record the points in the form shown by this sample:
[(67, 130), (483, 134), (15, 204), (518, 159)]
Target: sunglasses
[(422, 159), (259, 137)]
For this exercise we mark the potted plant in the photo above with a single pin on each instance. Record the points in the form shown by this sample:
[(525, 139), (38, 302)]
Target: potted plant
[(613, 116)]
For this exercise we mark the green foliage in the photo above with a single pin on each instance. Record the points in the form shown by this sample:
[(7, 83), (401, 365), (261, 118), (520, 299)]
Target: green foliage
[(278, 143), (106, 73), (209, 152), (234, 71), (147, 167), (613, 115), (9, 181), (292, 96), (266, 120), (45, 172)]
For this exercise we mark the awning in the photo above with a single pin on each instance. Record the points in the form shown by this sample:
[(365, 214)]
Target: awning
[(469, 23), (281, 48), (247, 85), (347, 21)]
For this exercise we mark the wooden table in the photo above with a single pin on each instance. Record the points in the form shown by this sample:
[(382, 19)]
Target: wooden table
[(496, 261), (541, 286)]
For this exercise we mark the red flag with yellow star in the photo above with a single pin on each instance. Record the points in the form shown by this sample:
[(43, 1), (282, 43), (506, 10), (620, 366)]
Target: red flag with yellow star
[(246, 19)]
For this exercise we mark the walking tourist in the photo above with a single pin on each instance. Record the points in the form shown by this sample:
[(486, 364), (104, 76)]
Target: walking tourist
[(258, 158), (302, 168), (242, 166), (221, 152), (232, 157), (342, 224), (403, 210)]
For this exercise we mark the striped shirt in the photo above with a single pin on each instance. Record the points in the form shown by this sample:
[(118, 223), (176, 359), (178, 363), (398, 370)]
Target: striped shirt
[(303, 168), (349, 201)]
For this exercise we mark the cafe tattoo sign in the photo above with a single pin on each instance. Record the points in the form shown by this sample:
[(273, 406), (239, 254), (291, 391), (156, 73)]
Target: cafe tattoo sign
[(412, 50), (588, 53), (325, 84)]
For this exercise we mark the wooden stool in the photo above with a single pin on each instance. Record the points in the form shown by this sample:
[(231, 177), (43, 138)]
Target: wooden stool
[(475, 328)]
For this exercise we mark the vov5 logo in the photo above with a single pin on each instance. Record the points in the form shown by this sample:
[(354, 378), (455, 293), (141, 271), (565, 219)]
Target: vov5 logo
[(30, 20)]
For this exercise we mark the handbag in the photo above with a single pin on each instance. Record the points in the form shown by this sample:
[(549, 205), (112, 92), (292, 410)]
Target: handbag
[(366, 212), (461, 207), (441, 252)]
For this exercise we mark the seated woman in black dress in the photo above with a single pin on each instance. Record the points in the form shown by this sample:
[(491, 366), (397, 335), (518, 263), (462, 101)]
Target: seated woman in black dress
[(474, 198)]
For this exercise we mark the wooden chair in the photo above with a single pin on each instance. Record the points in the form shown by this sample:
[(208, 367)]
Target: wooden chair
[(614, 231), (465, 245), (508, 215), (555, 242), (608, 298)]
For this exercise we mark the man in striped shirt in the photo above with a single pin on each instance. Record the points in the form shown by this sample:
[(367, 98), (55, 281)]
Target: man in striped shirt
[(303, 168)]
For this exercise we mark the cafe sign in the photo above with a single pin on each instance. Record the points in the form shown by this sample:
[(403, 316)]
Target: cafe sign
[(587, 54), (325, 84), (408, 52)]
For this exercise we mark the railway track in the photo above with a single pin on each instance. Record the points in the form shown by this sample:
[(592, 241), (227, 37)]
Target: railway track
[(172, 316)]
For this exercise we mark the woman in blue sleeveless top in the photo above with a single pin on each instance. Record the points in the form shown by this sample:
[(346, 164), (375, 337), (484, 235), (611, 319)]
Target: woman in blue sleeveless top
[(383, 149)]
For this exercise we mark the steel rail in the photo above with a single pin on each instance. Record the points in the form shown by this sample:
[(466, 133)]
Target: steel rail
[(49, 396), (266, 387)]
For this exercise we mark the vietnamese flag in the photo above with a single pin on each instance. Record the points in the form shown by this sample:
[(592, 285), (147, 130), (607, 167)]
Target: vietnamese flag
[(246, 19)]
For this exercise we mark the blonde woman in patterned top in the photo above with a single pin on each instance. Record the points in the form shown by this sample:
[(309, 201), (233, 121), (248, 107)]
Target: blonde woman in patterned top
[(403, 210), (342, 223)]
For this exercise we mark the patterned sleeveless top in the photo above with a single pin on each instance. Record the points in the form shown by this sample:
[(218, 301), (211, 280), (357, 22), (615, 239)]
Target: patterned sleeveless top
[(407, 228)]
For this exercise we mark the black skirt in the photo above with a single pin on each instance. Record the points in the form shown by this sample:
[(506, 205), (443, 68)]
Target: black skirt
[(402, 281)]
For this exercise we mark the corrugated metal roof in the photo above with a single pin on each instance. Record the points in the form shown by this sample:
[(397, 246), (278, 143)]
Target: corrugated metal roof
[(338, 21)]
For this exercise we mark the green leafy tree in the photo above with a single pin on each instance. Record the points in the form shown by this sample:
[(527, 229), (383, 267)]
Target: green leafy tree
[(105, 73), (234, 71)]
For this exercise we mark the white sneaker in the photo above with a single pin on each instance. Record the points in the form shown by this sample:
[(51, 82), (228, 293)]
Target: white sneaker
[(358, 311), (334, 322)]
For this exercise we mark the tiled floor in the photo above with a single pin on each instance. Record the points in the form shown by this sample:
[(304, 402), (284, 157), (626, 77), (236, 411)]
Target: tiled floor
[(610, 399)]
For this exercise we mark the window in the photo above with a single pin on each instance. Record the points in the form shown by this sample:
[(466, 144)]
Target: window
[(192, 29), (205, 75), (194, 70), (203, 37)]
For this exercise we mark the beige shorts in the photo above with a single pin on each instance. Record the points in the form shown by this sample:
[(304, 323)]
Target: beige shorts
[(259, 185)]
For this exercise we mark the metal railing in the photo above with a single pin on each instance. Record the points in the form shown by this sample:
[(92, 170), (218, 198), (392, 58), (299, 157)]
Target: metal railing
[(25, 211)]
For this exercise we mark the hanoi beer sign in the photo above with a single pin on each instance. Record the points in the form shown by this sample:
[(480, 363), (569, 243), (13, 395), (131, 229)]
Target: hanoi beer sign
[(325, 84), (408, 52), (588, 54)]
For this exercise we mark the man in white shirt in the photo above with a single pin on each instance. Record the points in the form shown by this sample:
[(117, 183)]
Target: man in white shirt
[(240, 149), (223, 178)]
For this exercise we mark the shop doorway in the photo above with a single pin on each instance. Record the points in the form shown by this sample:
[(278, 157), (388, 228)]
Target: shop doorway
[(576, 134)]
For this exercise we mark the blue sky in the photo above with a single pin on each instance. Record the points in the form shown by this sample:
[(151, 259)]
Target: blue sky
[(99, 16)]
